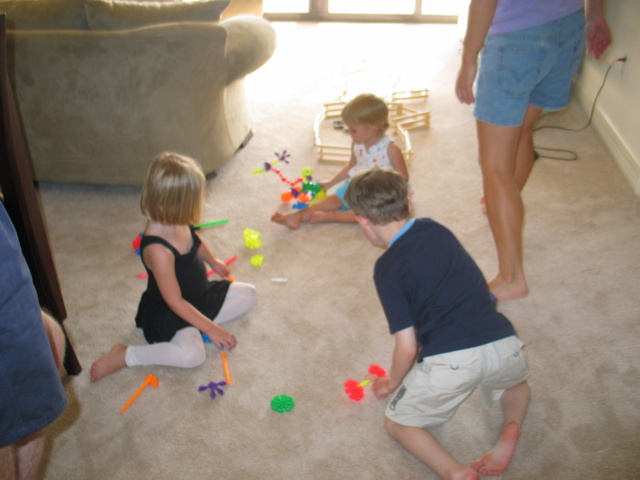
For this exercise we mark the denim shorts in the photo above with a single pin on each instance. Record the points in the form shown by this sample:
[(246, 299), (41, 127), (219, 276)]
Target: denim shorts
[(533, 66), (434, 388)]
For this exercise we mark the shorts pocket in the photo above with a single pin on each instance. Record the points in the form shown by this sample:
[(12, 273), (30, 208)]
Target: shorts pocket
[(519, 69), (456, 371)]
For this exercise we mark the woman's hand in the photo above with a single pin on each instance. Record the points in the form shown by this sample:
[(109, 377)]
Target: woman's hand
[(598, 36), (466, 77)]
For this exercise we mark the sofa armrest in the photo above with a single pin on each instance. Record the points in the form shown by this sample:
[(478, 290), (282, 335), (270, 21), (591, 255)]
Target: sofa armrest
[(251, 41)]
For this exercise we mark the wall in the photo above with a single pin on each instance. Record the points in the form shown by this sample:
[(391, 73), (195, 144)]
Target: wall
[(617, 113)]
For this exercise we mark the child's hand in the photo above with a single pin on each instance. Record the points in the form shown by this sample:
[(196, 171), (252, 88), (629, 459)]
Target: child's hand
[(221, 338), (381, 387), (221, 269)]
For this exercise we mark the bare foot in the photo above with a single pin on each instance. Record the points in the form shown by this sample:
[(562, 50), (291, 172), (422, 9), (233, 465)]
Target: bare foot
[(291, 220), (508, 290), (109, 363), (467, 474), (496, 460)]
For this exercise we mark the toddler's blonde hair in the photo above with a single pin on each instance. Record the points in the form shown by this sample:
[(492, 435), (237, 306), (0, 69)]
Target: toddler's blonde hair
[(368, 110), (173, 190)]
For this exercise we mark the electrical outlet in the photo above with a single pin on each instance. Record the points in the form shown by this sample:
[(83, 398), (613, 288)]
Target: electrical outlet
[(623, 59)]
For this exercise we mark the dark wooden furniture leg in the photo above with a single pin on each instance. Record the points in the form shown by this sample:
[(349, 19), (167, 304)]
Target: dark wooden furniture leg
[(22, 203)]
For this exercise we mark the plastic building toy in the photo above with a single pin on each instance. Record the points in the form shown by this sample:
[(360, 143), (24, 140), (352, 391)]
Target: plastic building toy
[(225, 366), (136, 243), (215, 388), (304, 189), (251, 239), (355, 390), (305, 194), (150, 380), (282, 403), (257, 260), (210, 224), (268, 166)]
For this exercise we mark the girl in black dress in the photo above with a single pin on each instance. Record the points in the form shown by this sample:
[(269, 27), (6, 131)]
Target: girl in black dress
[(180, 303)]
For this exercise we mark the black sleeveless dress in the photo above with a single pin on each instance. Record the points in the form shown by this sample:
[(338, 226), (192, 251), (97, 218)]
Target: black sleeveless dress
[(158, 322)]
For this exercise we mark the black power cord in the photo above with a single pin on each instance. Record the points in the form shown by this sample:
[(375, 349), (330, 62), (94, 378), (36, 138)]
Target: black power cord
[(569, 154)]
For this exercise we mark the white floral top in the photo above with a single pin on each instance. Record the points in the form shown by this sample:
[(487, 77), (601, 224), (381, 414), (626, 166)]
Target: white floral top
[(376, 156)]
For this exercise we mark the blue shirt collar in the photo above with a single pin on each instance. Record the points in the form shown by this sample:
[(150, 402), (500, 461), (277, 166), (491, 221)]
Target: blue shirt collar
[(402, 231)]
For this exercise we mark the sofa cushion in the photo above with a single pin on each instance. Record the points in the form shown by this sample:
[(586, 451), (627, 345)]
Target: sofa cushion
[(118, 15), (44, 14)]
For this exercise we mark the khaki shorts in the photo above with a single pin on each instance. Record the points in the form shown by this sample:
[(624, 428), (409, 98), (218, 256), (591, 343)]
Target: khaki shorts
[(433, 389)]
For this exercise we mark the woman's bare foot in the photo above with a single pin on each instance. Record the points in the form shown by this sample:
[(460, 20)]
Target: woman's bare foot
[(496, 460), (291, 220), (109, 363), (504, 290)]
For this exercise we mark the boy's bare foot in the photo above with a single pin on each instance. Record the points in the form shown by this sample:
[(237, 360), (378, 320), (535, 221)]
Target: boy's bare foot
[(291, 220), (508, 290), (496, 460), (109, 363)]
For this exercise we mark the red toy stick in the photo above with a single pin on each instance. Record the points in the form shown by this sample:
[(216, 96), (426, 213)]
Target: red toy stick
[(355, 390)]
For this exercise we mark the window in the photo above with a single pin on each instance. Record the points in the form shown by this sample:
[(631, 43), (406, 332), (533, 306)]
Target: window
[(436, 11)]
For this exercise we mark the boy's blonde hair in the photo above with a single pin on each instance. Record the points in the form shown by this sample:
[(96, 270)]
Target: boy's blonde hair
[(380, 195), (368, 110), (173, 191)]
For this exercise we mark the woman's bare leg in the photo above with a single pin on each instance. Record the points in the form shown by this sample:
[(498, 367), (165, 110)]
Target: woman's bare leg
[(524, 154), (497, 151)]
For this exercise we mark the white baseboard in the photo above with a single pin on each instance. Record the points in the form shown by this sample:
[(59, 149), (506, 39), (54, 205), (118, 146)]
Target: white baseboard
[(623, 156)]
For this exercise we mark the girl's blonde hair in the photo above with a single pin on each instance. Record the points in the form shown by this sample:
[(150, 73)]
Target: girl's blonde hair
[(173, 191), (367, 109)]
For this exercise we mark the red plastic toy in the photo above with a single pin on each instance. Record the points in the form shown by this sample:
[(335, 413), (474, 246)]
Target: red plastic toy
[(355, 390)]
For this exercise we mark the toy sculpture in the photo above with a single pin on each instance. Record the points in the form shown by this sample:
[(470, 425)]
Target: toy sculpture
[(355, 390), (304, 189)]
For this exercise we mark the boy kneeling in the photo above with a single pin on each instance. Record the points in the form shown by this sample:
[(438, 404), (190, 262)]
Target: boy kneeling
[(449, 337)]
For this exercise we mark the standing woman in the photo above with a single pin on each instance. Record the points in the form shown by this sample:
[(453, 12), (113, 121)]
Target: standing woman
[(531, 50)]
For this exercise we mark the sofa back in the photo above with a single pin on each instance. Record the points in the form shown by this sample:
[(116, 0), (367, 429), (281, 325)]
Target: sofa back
[(44, 14), (106, 14)]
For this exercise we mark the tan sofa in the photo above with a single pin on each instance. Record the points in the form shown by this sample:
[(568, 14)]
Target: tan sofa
[(98, 102)]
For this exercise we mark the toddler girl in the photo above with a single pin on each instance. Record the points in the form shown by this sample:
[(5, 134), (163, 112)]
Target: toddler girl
[(367, 120), (180, 302)]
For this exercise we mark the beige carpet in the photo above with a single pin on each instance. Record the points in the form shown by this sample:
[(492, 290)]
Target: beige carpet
[(324, 325)]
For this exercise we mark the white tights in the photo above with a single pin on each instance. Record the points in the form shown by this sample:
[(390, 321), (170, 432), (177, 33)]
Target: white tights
[(186, 348)]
